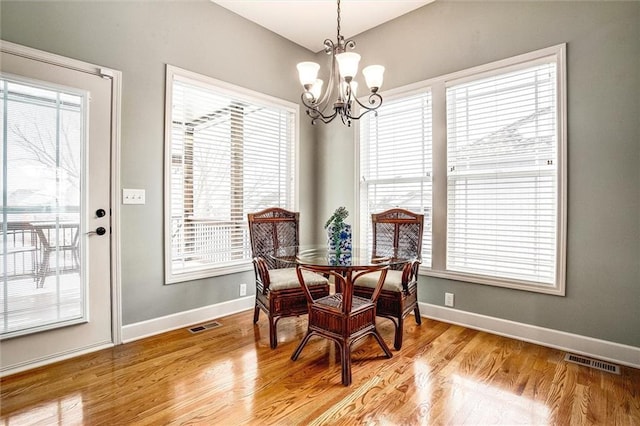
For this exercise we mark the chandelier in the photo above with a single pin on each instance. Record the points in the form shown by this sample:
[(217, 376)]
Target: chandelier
[(340, 95)]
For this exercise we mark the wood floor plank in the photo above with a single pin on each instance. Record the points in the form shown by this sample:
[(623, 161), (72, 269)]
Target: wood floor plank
[(444, 374)]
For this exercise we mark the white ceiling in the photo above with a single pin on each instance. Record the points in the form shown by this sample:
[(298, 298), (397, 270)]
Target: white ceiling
[(309, 22)]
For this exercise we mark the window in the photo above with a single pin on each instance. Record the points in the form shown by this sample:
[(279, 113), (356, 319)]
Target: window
[(395, 153), (498, 154), (502, 175), (229, 152)]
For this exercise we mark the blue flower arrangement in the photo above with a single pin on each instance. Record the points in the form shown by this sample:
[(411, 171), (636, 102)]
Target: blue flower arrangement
[(338, 233)]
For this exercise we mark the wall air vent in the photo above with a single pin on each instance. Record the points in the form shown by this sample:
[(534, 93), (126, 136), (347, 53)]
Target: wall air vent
[(593, 363), (203, 327)]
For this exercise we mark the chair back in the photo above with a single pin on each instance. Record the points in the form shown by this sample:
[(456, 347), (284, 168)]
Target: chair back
[(397, 231), (271, 229)]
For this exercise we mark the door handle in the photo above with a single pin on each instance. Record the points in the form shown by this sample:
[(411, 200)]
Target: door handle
[(99, 230)]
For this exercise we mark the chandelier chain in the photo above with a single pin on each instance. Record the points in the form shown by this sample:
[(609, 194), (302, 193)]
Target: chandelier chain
[(338, 20)]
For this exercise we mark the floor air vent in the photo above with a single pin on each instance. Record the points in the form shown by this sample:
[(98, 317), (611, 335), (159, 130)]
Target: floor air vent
[(593, 363), (203, 327)]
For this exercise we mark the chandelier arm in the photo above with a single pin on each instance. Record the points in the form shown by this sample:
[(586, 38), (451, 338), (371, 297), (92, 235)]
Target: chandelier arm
[(316, 115), (325, 99), (350, 44), (329, 47), (314, 112), (374, 99), (328, 118), (305, 98)]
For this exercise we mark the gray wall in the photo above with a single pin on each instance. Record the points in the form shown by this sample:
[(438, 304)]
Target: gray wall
[(139, 38), (603, 53)]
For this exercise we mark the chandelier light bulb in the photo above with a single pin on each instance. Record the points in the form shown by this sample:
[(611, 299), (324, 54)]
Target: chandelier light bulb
[(373, 74), (348, 64), (308, 73)]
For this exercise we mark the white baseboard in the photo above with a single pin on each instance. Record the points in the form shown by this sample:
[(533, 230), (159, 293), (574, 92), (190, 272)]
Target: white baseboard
[(50, 359), (583, 345), (159, 325), (588, 346)]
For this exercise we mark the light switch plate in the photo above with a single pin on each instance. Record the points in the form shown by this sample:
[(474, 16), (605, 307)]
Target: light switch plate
[(133, 196)]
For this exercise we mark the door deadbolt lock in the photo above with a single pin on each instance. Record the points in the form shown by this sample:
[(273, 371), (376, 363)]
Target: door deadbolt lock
[(100, 213)]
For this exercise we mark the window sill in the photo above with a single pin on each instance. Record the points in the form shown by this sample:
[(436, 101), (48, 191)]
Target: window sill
[(198, 274), (556, 290)]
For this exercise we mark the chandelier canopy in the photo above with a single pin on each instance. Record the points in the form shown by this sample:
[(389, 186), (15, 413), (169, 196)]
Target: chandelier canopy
[(340, 95)]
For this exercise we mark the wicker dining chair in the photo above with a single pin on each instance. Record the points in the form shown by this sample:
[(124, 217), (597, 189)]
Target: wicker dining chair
[(342, 317), (396, 232), (278, 290), (22, 251)]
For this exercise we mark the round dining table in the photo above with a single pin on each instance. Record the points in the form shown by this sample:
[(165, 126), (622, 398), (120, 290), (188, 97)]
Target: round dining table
[(344, 266)]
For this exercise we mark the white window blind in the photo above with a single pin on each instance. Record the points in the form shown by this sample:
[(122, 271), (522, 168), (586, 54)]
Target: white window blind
[(231, 154), (395, 163), (42, 282), (502, 152)]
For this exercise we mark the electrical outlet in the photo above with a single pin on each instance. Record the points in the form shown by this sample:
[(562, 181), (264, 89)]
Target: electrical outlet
[(448, 299), (243, 289)]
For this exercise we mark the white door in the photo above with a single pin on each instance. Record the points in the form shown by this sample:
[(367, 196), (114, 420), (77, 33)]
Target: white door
[(55, 292)]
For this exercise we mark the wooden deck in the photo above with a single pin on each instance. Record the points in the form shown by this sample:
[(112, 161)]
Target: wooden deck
[(444, 374)]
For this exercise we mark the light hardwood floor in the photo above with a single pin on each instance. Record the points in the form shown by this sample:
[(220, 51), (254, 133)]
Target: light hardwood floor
[(444, 374)]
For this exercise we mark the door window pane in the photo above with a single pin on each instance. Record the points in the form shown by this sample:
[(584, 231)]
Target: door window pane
[(42, 147)]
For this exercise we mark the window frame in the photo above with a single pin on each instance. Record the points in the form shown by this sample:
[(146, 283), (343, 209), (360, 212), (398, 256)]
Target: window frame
[(237, 92), (438, 86)]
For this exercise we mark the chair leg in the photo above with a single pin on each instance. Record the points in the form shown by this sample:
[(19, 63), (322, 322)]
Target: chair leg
[(345, 354), (256, 313), (301, 345), (273, 337), (397, 341), (382, 344), (44, 268), (416, 312)]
